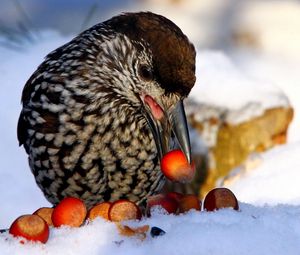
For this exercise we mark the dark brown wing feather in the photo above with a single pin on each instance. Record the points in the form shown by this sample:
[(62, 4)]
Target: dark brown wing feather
[(22, 123)]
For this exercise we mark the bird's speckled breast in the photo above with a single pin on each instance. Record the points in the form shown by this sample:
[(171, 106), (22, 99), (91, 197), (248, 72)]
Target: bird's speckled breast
[(97, 158)]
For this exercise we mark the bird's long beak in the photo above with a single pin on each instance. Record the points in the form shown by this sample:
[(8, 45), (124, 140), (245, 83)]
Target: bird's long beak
[(180, 129), (162, 125)]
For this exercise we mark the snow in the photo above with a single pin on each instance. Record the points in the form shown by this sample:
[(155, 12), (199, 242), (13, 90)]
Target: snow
[(254, 230), (280, 71), (283, 187), (233, 94), (269, 195)]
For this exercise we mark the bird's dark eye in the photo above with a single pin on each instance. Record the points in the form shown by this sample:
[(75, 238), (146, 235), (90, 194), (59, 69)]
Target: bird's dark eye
[(146, 73)]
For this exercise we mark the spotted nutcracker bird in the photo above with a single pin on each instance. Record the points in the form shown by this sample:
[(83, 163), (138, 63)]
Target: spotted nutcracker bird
[(101, 110)]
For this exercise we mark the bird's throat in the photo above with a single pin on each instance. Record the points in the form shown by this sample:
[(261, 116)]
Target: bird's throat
[(155, 108)]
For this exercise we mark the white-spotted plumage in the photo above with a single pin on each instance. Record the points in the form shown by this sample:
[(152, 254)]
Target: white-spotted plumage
[(83, 120)]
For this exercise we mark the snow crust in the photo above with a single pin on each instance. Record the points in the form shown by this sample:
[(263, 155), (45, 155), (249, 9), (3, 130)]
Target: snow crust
[(222, 90), (275, 178), (253, 230)]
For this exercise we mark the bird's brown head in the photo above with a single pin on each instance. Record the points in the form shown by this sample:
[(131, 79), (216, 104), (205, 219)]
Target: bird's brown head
[(165, 73), (173, 56)]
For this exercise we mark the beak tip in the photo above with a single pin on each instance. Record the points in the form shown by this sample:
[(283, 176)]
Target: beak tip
[(180, 129), (189, 158)]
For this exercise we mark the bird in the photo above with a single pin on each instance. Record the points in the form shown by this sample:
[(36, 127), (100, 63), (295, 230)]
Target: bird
[(99, 112)]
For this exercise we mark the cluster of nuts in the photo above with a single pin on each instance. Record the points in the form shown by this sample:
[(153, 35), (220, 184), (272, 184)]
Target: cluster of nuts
[(73, 212)]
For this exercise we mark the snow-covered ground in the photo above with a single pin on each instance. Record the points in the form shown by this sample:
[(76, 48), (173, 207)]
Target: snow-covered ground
[(269, 218), (254, 230)]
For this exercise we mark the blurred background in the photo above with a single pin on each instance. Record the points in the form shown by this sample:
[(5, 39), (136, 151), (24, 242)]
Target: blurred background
[(268, 25)]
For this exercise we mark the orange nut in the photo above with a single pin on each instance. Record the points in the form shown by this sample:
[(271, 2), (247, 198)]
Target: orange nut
[(188, 202), (166, 202), (30, 227), (124, 210), (99, 210), (46, 214), (220, 198), (70, 211), (176, 167)]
